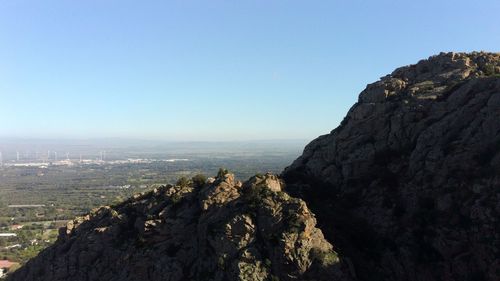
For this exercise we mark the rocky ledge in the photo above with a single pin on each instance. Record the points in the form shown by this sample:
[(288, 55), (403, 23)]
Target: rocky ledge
[(223, 230)]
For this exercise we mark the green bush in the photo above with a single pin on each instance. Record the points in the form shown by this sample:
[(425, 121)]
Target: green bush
[(176, 198), (325, 258), (199, 180), (182, 181), (222, 172), (489, 70)]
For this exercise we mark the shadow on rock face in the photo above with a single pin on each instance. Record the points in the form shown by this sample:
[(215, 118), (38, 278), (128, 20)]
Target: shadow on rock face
[(407, 187)]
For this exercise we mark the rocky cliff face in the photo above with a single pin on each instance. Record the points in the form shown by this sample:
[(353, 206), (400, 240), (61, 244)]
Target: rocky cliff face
[(224, 230), (408, 186)]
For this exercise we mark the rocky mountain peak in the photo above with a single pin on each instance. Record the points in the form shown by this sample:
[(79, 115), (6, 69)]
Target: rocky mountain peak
[(407, 187), (431, 78)]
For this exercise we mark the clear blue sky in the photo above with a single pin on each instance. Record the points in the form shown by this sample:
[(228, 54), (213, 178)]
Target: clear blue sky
[(213, 70)]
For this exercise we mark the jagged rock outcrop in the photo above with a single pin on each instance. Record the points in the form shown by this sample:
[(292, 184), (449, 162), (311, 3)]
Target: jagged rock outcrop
[(224, 230), (408, 186)]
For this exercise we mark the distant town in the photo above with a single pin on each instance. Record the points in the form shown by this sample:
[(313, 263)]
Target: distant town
[(44, 161)]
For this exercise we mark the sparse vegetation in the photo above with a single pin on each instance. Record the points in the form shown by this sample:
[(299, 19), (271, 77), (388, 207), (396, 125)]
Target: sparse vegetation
[(176, 198), (222, 172), (489, 69), (70, 191), (199, 180), (325, 258), (183, 182)]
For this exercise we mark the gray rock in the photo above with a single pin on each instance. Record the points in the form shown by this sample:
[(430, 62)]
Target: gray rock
[(408, 186), (222, 232)]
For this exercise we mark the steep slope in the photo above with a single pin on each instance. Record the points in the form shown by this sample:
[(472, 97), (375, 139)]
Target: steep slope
[(408, 186), (221, 231)]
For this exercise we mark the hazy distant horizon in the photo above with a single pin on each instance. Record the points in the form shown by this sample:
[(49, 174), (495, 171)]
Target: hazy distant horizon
[(213, 70), (28, 150), (6, 139), (10, 146)]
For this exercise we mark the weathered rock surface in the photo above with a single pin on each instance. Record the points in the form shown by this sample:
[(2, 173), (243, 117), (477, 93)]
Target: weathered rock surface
[(221, 231), (408, 186)]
